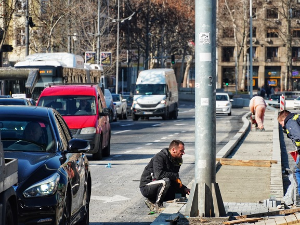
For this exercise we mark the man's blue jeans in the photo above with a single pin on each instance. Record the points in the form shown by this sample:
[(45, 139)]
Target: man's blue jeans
[(297, 175)]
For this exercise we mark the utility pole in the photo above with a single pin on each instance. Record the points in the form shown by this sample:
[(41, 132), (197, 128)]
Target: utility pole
[(117, 60), (27, 29), (98, 34), (205, 198)]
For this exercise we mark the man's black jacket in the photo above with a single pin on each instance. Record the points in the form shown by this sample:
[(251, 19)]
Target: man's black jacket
[(162, 165)]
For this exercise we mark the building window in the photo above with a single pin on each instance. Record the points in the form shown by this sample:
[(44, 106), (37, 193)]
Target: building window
[(272, 13), (253, 32), (228, 32), (228, 76), (296, 13), (228, 54), (254, 13), (254, 53), (20, 37), (20, 5), (296, 54), (296, 33), (272, 33), (272, 54)]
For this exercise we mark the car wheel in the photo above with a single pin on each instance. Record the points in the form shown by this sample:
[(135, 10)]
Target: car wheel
[(121, 115), (111, 116), (135, 117), (98, 154), (86, 219), (125, 115), (106, 151), (229, 114), (9, 217), (65, 220), (175, 113), (166, 115)]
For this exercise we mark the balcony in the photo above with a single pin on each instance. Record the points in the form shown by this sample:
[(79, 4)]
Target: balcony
[(273, 59)]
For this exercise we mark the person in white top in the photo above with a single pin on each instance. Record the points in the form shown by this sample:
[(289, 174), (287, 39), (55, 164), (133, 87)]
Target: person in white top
[(258, 107)]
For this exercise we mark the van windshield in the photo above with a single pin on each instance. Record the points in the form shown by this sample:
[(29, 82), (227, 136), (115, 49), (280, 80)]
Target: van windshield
[(150, 89), (70, 105)]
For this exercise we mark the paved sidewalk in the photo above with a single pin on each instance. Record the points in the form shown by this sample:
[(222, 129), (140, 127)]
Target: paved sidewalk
[(248, 190)]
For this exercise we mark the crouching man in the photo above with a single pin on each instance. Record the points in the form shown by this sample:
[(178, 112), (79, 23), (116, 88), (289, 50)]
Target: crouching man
[(160, 179)]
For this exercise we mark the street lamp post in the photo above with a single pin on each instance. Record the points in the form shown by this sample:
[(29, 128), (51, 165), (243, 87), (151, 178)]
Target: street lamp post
[(118, 39)]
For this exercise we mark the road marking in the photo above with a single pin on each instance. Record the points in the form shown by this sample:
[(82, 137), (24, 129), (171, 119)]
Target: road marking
[(157, 141), (180, 124), (183, 131), (128, 151), (164, 138), (176, 133), (149, 144), (107, 199), (126, 125), (138, 147), (156, 125), (118, 132), (170, 135)]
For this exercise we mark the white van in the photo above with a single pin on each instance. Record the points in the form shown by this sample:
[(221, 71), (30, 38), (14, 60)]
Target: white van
[(156, 94)]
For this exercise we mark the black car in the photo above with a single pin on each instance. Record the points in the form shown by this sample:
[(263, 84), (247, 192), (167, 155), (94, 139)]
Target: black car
[(54, 180), (15, 101)]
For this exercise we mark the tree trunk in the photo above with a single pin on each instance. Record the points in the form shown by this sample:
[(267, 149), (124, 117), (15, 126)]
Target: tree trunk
[(187, 69)]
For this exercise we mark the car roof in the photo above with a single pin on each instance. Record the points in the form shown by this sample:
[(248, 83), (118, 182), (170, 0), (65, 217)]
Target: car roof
[(81, 89), (218, 93), (22, 110), (13, 100)]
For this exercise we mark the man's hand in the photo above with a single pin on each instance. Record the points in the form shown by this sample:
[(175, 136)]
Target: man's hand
[(187, 191)]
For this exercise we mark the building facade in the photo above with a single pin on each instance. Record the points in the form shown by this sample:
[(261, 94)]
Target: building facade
[(273, 22)]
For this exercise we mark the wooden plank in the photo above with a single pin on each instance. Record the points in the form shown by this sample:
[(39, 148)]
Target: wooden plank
[(246, 220), (236, 162)]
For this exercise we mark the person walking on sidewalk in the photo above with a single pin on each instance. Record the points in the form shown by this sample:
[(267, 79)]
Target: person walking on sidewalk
[(160, 179), (290, 123), (258, 107)]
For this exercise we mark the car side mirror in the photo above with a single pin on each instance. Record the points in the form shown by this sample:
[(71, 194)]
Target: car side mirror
[(231, 100), (123, 100), (78, 145)]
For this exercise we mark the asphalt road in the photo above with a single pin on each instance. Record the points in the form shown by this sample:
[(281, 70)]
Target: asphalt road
[(116, 198)]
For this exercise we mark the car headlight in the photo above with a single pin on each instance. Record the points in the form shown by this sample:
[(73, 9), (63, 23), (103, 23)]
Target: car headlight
[(134, 102), (43, 188), (228, 104), (88, 130), (163, 101)]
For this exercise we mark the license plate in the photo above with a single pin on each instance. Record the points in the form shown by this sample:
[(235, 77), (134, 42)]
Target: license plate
[(147, 112)]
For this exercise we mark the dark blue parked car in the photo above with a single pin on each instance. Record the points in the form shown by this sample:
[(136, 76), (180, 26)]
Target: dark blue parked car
[(54, 181)]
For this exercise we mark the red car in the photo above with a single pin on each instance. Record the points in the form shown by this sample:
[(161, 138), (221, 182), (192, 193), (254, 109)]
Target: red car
[(84, 109)]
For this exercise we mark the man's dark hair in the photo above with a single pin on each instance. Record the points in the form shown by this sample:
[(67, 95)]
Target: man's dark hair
[(283, 114), (175, 143)]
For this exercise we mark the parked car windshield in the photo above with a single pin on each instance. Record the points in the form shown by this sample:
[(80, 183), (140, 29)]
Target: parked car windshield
[(150, 89), (116, 98), (70, 105), (24, 134), (221, 97)]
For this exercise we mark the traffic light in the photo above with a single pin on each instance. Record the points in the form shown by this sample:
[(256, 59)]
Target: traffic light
[(173, 59)]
